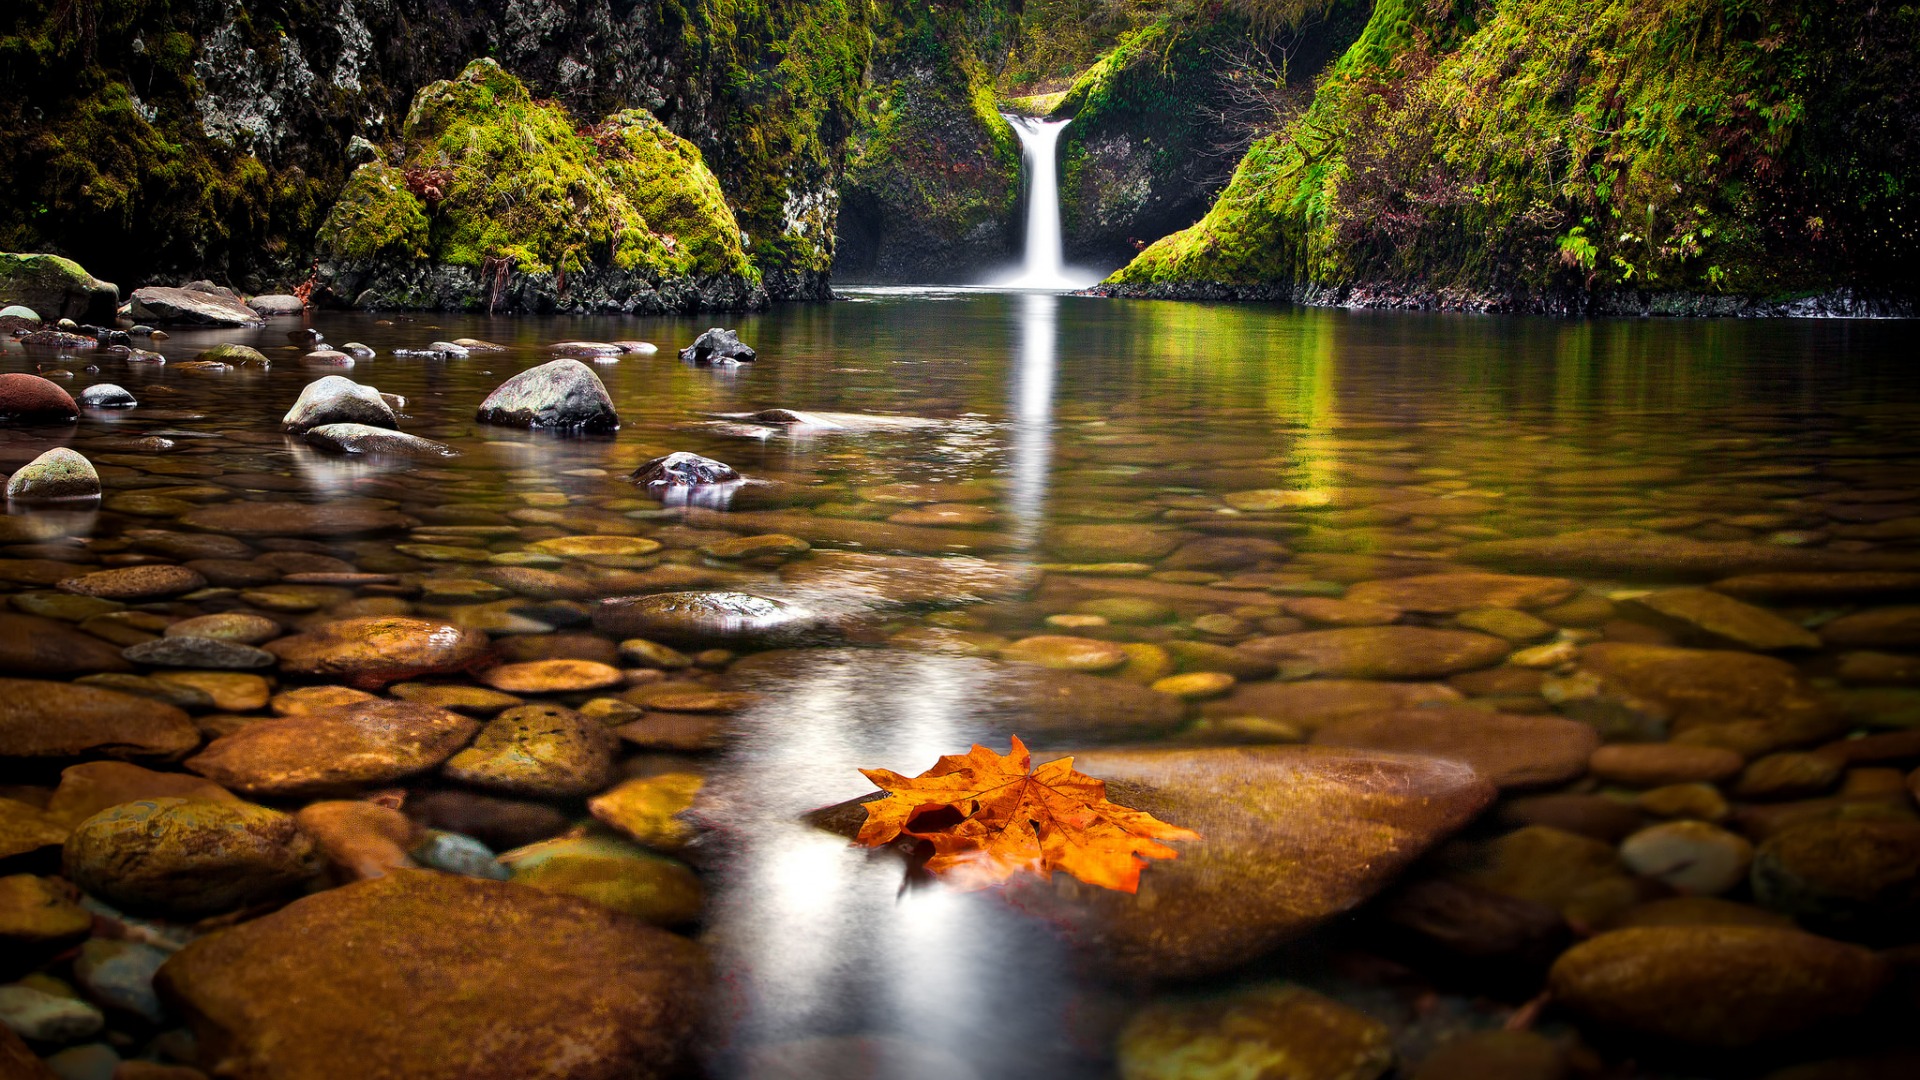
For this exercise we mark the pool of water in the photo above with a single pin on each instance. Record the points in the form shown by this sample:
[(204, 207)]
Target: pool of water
[(1339, 448)]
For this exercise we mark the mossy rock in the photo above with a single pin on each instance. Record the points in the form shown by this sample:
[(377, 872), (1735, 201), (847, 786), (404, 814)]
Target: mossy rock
[(56, 288)]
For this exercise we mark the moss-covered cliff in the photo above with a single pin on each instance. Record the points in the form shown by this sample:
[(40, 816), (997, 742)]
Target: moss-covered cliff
[(1577, 155)]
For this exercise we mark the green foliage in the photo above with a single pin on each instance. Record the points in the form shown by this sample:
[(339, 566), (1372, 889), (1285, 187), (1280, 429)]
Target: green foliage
[(1530, 146), (492, 174)]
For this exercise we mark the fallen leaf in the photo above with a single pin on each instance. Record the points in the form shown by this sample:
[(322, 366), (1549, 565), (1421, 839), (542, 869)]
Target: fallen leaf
[(990, 816)]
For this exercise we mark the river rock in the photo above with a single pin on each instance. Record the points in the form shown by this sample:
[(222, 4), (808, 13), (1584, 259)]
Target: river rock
[(1717, 986), (334, 750), (551, 676), (158, 305), (27, 829), (868, 580), (89, 788), (561, 395), (235, 626), (1722, 620), (198, 652), (1638, 554), (718, 346), (494, 821), (1451, 594), (1273, 1030), (55, 287), (1821, 586), (1311, 703), (1692, 856), (1113, 543), (1509, 751), (726, 619), (235, 355), (1883, 628), (361, 439), (295, 519), (1711, 686), (360, 839), (1378, 652), (420, 974), (62, 720), (106, 396), (648, 809), (681, 469), (45, 1018), (30, 645), (277, 304), (30, 399), (336, 399), (1652, 765), (186, 857), (375, 650), (119, 975), (1791, 775), (152, 581), (541, 751), (1578, 876), (1857, 876), (592, 350), (612, 873), (37, 917), (1066, 653)]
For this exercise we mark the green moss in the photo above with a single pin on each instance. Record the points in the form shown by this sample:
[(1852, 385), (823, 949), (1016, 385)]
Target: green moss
[(490, 173)]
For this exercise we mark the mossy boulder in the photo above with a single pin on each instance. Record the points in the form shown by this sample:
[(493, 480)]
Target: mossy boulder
[(503, 201), (56, 288)]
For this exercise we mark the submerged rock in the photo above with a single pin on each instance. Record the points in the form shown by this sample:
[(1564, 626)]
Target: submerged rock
[(718, 346), (562, 395), (1379, 652), (30, 399), (420, 973), (682, 469), (336, 399), (543, 751), (61, 720), (613, 874), (30, 645), (1510, 751), (378, 649), (373, 441), (186, 857), (334, 750), (295, 519), (1274, 1030), (59, 475)]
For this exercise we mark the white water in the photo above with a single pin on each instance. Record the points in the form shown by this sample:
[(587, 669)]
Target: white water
[(1045, 264)]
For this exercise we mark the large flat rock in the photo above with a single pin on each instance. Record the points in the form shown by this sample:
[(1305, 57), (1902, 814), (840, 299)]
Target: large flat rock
[(160, 304), (1510, 751), (60, 720), (426, 976), (334, 750)]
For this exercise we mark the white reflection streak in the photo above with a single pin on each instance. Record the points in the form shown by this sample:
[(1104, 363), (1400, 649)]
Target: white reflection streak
[(1031, 449)]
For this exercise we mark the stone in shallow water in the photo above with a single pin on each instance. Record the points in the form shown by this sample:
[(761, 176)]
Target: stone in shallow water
[(870, 580), (1818, 586), (360, 839), (1886, 628), (682, 469), (334, 750), (1722, 620), (30, 399), (36, 914), (612, 873), (59, 475), (1509, 751), (648, 809), (235, 626), (1113, 543), (336, 399), (1693, 857), (185, 857), (25, 829), (295, 519), (542, 751), (48, 1018), (378, 649), (1717, 986), (1450, 594), (494, 821), (718, 346), (563, 395), (89, 788), (1851, 876), (1272, 1030), (1309, 704), (162, 304), (198, 652), (1650, 765), (706, 618), (1066, 653), (596, 547), (551, 676), (362, 439), (1635, 553), (1702, 686), (61, 720), (30, 645), (149, 582), (1379, 652), (421, 973)]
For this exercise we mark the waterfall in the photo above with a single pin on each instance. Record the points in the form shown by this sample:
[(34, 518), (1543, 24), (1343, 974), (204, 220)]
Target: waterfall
[(1045, 265)]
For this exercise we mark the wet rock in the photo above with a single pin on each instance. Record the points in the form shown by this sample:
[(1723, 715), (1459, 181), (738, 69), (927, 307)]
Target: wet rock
[(499, 823), (1113, 543), (1451, 594), (613, 874), (47, 1018), (295, 519), (420, 973), (1722, 620), (30, 399), (1790, 775), (337, 400), (1509, 751), (1327, 611), (374, 442), (375, 650), (1699, 911), (150, 582), (592, 350), (551, 676), (647, 809), (1309, 704), (682, 470), (1487, 937), (1496, 1055), (30, 645), (1704, 686), (185, 857), (1691, 856), (706, 618), (541, 751), (456, 854), (1821, 586), (1882, 628), (562, 395), (1066, 653), (449, 350), (1271, 1030), (1578, 876), (61, 720), (867, 580), (235, 626), (766, 549), (105, 396), (360, 839), (53, 287), (1637, 554), (119, 975), (161, 305), (1378, 652), (277, 304), (198, 652), (89, 788), (36, 917), (334, 750), (1224, 553), (1857, 876), (718, 346), (26, 829), (235, 355), (1651, 765), (1718, 986)]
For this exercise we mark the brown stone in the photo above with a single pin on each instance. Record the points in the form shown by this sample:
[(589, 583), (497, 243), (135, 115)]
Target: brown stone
[(1379, 652), (1273, 1030), (1594, 816), (379, 649), (135, 583), (499, 823), (334, 750), (551, 676), (187, 857), (1496, 1055), (1820, 587), (1636, 554), (361, 839), (295, 519), (1313, 702), (1450, 594), (19, 1062), (1719, 986), (62, 720), (25, 829), (1650, 765), (1716, 619), (30, 645), (1881, 628), (543, 751), (87, 789), (1330, 612), (1702, 686), (426, 975), (1509, 751)]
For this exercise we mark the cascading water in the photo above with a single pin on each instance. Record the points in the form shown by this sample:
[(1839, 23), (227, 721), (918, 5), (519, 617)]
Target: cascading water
[(1045, 264)]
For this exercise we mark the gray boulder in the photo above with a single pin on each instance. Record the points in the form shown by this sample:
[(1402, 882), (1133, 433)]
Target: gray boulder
[(159, 304), (277, 304), (562, 395), (717, 346), (336, 399)]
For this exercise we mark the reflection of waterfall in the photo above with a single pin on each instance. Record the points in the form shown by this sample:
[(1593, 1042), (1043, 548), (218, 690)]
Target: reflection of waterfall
[(1045, 266), (1030, 448)]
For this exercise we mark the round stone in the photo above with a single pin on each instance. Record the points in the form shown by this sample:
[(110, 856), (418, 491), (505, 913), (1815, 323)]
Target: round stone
[(1113, 543), (1858, 875), (1651, 765), (295, 519), (1195, 685), (135, 583), (187, 857), (1274, 1030), (613, 873), (705, 618), (334, 750), (235, 626), (542, 751), (198, 652), (30, 399), (551, 676), (62, 720), (59, 475), (647, 809), (1066, 653), (1692, 856), (1378, 652), (1508, 750), (595, 547), (379, 649)]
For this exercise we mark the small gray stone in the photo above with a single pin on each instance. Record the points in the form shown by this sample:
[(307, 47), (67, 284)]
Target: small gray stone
[(59, 475), (454, 853), (105, 396), (718, 346), (358, 351), (119, 975), (44, 1017), (198, 652), (361, 439)]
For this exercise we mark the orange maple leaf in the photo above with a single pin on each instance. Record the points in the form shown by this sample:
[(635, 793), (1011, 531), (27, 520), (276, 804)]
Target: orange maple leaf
[(990, 816)]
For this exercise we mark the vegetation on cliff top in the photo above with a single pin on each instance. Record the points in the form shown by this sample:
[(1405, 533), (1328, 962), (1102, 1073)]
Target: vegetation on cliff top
[(1535, 147), (490, 174)]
